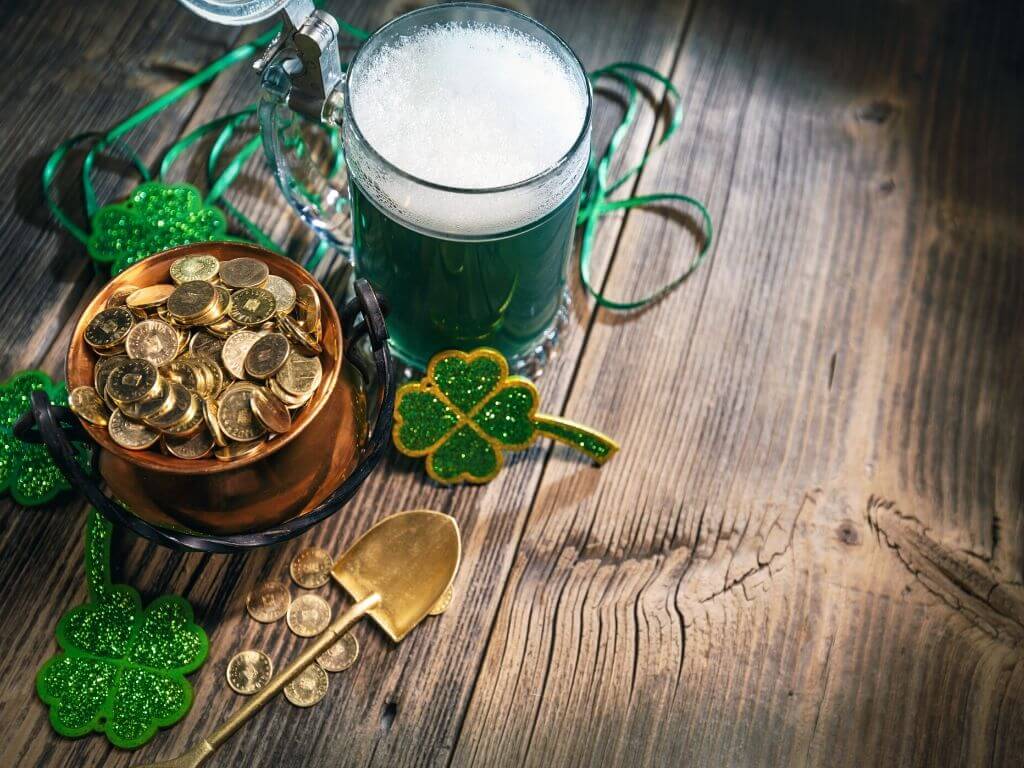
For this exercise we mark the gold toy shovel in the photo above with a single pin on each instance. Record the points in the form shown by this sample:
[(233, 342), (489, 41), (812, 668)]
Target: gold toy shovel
[(396, 572)]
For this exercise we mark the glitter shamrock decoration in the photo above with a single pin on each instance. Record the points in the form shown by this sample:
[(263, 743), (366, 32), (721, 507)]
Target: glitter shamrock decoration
[(121, 669), (155, 217), (26, 469), (467, 411)]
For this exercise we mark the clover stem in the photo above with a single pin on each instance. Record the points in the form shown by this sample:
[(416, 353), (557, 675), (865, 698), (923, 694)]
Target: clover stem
[(596, 445), (97, 556)]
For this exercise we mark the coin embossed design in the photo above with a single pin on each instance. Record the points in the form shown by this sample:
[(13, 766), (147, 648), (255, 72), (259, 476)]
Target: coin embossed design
[(270, 411), (234, 413), (268, 601), (198, 267), (244, 272), (86, 403), (133, 435), (192, 300), (150, 296), (311, 568), (109, 328), (206, 344), (300, 375), (341, 655), (284, 293), (249, 672), (235, 349), (153, 340), (308, 688), (309, 615), (133, 380), (251, 306), (266, 356)]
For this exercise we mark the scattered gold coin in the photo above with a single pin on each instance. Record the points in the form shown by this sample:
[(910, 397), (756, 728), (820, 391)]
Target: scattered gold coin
[(152, 340), (133, 435), (235, 416), (268, 601), (311, 568), (270, 411), (109, 328), (442, 603), (118, 297), (308, 688), (341, 655), (195, 447), (252, 306), (309, 615), (235, 349), (284, 293), (149, 297), (249, 671), (267, 355)]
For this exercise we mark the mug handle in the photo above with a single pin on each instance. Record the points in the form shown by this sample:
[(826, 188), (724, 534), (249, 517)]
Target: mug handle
[(56, 426)]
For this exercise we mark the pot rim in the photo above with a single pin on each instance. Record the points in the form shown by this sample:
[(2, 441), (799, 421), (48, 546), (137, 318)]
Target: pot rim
[(153, 461)]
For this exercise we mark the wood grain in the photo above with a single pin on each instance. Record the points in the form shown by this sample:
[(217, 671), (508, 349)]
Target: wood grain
[(808, 551)]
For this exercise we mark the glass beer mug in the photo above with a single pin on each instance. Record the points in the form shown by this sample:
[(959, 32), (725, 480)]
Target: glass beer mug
[(466, 135)]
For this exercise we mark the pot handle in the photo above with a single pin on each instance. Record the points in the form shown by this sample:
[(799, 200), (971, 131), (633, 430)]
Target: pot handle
[(56, 426)]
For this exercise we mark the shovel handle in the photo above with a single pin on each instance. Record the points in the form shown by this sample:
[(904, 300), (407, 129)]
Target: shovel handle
[(331, 635)]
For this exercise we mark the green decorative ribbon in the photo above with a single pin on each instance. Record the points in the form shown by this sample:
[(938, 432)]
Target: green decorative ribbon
[(597, 188)]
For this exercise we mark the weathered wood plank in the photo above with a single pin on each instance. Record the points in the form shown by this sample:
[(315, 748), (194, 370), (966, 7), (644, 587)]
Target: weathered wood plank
[(398, 706), (731, 590)]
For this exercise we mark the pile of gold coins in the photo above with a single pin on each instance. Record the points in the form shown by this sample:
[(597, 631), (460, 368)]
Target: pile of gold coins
[(215, 363), (307, 616)]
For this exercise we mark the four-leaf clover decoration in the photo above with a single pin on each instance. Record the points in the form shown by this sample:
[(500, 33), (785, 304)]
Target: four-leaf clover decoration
[(122, 668), (153, 218), (26, 469), (468, 410)]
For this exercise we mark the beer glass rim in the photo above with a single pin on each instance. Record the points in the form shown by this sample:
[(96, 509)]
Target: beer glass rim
[(554, 168)]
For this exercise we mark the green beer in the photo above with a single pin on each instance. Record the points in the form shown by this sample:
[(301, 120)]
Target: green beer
[(467, 131)]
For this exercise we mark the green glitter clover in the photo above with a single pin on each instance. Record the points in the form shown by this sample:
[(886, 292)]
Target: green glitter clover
[(26, 469), (153, 218), (467, 411), (122, 669)]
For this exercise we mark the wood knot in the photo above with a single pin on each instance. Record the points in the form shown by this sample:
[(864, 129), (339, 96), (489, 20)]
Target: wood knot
[(877, 112), (847, 533)]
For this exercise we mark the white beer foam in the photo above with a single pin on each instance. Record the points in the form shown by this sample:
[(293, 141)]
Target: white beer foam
[(472, 106)]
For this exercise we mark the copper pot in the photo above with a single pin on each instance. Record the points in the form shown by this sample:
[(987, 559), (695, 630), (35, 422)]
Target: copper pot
[(267, 496)]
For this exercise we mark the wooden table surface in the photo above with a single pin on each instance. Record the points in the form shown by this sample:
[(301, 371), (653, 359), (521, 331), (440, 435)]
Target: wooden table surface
[(810, 548)]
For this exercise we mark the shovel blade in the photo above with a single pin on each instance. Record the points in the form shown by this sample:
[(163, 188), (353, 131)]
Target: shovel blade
[(409, 559)]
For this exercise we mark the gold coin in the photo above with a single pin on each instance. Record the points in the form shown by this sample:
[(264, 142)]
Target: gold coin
[(341, 655), (117, 298), (299, 336), (223, 327), (183, 372), (214, 376), (192, 300), (149, 297), (243, 273), (132, 381), (86, 403), (311, 568), (235, 415), (157, 405), (300, 375), (109, 328), (308, 688), (191, 423), (270, 411), (205, 344), (115, 351), (251, 306), (291, 401), (249, 672), (236, 451), (308, 615), (308, 303), (210, 417), (442, 603), (199, 267), (284, 293), (178, 413), (195, 447), (235, 349), (268, 601), (266, 356), (133, 435), (152, 340)]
